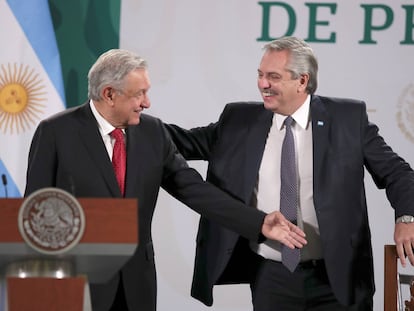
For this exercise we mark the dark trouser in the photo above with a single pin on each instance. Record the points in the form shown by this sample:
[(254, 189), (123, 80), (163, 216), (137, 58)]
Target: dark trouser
[(119, 303), (307, 288)]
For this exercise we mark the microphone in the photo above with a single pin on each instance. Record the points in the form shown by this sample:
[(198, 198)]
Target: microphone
[(71, 185), (4, 179)]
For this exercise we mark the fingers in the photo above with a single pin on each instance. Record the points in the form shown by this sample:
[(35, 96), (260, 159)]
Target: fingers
[(296, 229), (404, 252), (411, 257), (288, 243), (404, 241), (297, 240), (401, 255), (293, 242), (292, 239)]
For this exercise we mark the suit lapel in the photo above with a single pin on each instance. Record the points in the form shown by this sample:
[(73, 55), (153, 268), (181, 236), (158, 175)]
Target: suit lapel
[(321, 126), (139, 147), (255, 143), (133, 155), (92, 140)]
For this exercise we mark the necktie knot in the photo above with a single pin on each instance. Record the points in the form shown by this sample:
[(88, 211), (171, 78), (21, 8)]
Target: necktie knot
[(117, 134), (288, 121)]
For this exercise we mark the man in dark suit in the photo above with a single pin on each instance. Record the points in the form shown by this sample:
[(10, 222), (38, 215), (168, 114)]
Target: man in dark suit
[(334, 142), (73, 150)]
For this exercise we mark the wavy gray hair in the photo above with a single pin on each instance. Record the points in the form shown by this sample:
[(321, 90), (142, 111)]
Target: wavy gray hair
[(110, 69), (302, 59)]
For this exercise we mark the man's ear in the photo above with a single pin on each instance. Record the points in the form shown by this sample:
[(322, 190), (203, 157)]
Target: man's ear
[(107, 93), (303, 82), (304, 79)]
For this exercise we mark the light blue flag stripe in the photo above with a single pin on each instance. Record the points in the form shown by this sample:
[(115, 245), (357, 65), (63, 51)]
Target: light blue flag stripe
[(34, 18), (9, 190), (36, 22)]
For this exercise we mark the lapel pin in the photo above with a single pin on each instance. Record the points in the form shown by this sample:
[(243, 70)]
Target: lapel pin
[(320, 123)]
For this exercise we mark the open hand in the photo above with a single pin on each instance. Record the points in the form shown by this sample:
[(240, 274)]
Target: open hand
[(277, 227)]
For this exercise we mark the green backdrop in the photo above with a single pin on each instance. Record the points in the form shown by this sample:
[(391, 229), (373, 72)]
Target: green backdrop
[(84, 30)]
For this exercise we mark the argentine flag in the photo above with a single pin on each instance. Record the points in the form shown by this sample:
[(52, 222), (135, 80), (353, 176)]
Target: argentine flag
[(31, 86)]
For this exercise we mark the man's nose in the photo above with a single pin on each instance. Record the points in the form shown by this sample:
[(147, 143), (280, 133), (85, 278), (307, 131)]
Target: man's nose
[(146, 103), (263, 83)]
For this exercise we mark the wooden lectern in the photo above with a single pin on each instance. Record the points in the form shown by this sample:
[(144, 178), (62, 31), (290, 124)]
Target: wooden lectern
[(109, 240)]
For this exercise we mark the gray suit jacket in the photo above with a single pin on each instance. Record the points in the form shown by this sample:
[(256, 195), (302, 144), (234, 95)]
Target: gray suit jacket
[(67, 152), (344, 143)]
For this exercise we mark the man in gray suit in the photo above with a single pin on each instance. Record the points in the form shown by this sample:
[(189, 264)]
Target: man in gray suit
[(73, 150), (334, 143)]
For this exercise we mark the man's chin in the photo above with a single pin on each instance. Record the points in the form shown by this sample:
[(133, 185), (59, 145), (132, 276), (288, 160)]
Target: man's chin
[(269, 105), (134, 121)]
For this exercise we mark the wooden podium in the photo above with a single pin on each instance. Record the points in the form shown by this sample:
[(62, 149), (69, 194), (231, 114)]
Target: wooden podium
[(109, 240)]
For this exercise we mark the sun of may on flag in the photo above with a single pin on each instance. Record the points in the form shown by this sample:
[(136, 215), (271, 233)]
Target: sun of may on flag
[(31, 86)]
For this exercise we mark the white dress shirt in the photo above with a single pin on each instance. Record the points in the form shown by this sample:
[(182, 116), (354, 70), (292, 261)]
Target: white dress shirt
[(267, 191), (105, 129)]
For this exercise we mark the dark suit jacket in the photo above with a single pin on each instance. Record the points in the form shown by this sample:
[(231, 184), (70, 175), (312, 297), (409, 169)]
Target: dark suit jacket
[(344, 142), (68, 152)]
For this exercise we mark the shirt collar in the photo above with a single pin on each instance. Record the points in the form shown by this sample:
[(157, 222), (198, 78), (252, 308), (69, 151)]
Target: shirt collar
[(301, 116), (105, 128)]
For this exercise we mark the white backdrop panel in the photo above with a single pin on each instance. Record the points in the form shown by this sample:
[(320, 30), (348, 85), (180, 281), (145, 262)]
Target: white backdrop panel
[(204, 54)]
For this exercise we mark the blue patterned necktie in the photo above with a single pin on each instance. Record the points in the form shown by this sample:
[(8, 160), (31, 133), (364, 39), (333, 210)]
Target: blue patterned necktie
[(289, 191)]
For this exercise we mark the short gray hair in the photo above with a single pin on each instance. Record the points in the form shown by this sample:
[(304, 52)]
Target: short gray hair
[(302, 59), (110, 69)]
